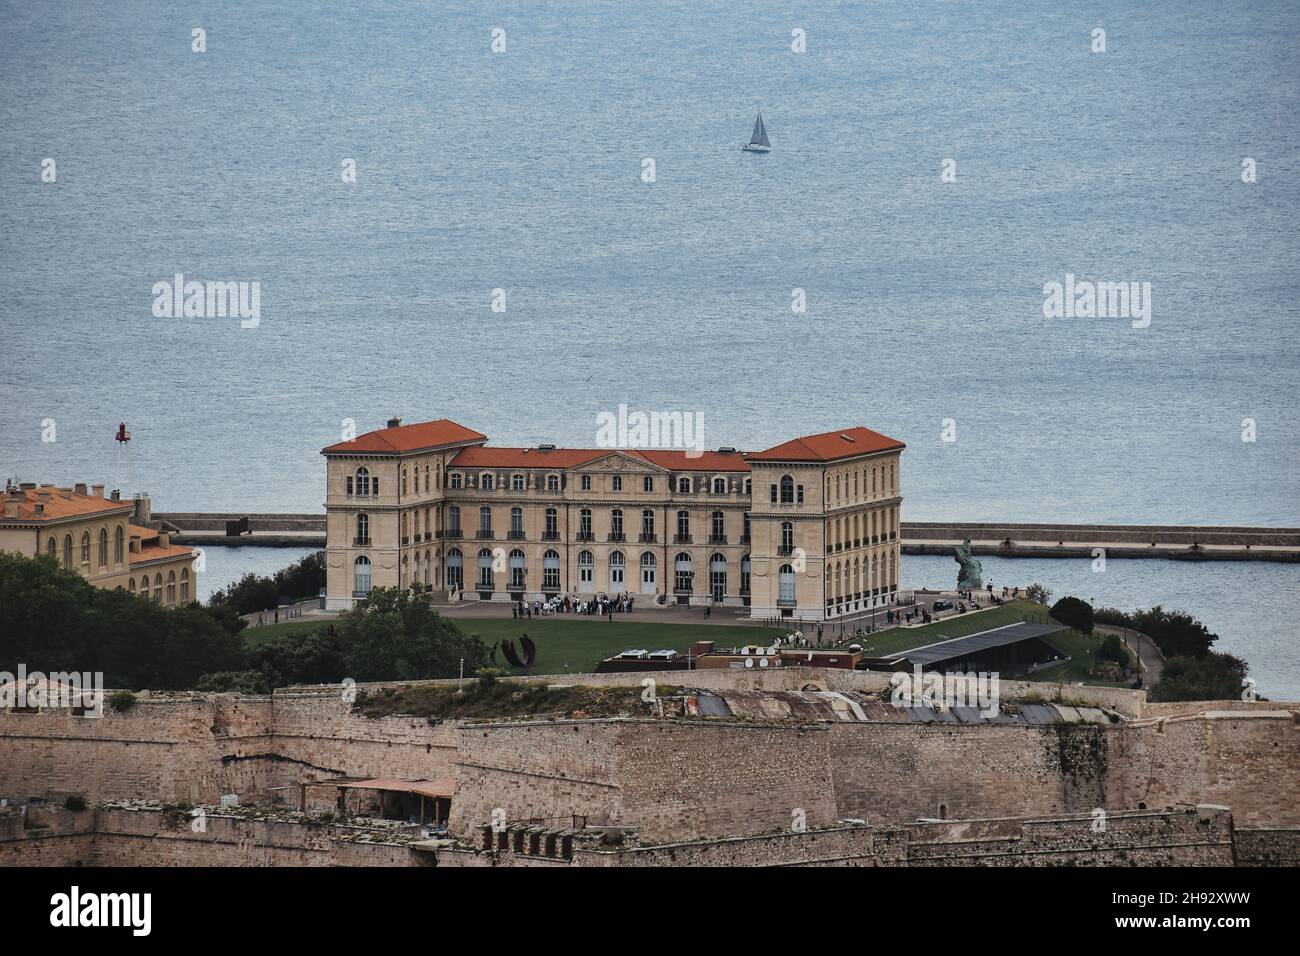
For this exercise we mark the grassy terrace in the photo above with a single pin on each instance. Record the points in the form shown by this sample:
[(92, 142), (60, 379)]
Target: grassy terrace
[(972, 622), (569, 643)]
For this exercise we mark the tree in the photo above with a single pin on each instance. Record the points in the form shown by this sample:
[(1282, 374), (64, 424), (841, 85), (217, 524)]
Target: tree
[(1075, 612), (394, 635), (1039, 593), (1210, 676), (257, 592), (54, 620)]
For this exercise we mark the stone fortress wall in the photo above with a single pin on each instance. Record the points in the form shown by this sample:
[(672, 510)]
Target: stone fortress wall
[(675, 780)]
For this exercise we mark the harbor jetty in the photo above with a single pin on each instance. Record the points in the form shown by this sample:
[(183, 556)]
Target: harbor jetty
[(1181, 542)]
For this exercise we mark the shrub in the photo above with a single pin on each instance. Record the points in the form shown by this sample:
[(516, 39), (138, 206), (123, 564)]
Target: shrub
[(121, 701), (75, 801)]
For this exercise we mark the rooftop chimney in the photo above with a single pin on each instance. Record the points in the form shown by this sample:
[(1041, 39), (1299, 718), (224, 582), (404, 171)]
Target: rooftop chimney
[(117, 494), (394, 422), (80, 488), (40, 508), (97, 490), (142, 511)]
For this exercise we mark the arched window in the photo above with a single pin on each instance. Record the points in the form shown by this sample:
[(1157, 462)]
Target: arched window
[(616, 564), (552, 482), (873, 481), (427, 562), (648, 576), (363, 481), (171, 587), (684, 573), (551, 571), (403, 482), (130, 586), (361, 577), (427, 489), (415, 479), (586, 568), (718, 577), (787, 490), (363, 531), (185, 585), (455, 569), (485, 579), (719, 486), (157, 587), (684, 484), (487, 481), (785, 586), (119, 541), (85, 547), (518, 573), (67, 551), (51, 548), (103, 547), (875, 574)]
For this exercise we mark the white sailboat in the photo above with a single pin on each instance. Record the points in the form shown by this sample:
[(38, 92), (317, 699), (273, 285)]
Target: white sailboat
[(758, 139)]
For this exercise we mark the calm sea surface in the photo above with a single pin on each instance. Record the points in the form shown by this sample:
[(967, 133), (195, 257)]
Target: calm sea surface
[(522, 171)]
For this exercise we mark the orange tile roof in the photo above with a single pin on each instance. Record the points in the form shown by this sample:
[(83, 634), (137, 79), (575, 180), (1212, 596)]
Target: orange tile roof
[(829, 446), (483, 456), (692, 461), (406, 438), (56, 506), (152, 552)]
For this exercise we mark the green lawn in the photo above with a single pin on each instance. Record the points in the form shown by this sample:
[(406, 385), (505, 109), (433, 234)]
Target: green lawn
[(1082, 649), (905, 638), (580, 643)]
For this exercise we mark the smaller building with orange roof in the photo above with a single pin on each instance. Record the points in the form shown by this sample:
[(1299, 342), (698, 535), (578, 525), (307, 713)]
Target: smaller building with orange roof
[(105, 539)]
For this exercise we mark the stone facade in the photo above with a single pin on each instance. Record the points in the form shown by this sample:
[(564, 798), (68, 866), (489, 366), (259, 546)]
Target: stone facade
[(807, 530), (108, 541)]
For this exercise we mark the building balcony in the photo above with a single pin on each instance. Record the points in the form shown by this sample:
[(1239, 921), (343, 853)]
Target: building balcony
[(617, 536), (360, 543), (586, 536), (516, 536), (717, 539), (456, 533), (550, 536), (681, 539), (785, 551), (647, 538)]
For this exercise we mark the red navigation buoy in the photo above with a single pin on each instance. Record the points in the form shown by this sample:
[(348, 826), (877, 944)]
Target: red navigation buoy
[(122, 434)]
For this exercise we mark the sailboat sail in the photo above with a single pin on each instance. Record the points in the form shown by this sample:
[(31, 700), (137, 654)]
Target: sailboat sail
[(759, 138)]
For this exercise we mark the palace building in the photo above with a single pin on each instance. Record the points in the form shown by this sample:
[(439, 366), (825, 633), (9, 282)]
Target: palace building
[(808, 529), (106, 540)]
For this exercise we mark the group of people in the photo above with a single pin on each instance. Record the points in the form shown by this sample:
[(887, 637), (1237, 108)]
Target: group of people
[(601, 604)]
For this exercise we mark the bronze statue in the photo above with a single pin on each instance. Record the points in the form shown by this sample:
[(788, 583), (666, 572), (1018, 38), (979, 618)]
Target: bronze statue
[(968, 578)]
